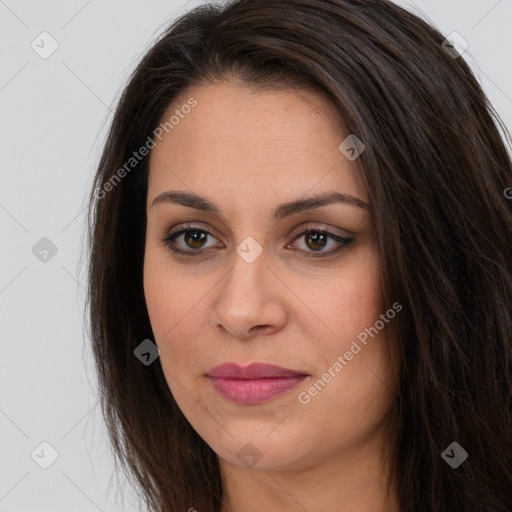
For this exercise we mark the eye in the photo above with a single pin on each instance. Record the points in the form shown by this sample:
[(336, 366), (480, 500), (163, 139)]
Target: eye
[(315, 240), (318, 239), (193, 238)]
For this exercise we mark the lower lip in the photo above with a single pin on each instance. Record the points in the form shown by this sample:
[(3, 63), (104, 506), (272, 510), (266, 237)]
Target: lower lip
[(254, 391)]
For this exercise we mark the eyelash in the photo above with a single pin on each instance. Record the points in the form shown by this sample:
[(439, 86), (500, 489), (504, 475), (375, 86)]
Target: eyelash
[(169, 241)]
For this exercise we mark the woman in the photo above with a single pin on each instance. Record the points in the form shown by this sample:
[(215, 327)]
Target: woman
[(300, 266)]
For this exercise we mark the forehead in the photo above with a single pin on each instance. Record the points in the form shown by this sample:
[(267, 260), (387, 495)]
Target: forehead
[(255, 143)]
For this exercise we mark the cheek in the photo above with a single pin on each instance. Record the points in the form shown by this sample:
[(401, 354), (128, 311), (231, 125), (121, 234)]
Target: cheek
[(177, 307), (164, 308), (348, 398), (159, 301), (174, 317), (167, 292), (350, 307), (348, 300), (360, 303)]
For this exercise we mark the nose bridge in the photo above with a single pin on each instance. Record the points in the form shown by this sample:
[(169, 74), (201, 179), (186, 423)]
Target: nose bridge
[(247, 276), (245, 296)]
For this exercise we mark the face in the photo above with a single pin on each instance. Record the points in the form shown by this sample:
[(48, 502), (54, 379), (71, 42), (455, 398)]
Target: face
[(263, 279)]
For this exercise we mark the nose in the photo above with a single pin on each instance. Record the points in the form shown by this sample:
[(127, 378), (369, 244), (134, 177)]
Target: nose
[(250, 299)]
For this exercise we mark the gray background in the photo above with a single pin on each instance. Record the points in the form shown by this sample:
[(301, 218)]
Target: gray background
[(54, 115)]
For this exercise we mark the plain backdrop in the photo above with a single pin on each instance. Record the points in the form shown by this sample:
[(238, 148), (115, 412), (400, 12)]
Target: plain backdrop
[(54, 114)]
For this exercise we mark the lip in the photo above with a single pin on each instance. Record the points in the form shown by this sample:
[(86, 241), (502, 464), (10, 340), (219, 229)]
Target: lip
[(252, 371), (255, 383)]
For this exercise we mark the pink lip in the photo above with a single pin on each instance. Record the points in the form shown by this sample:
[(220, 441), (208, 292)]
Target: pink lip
[(255, 383)]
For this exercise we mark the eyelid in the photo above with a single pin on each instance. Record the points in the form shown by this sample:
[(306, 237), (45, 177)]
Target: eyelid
[(345, 233), (171, 235), (314, 226), (189, 226)]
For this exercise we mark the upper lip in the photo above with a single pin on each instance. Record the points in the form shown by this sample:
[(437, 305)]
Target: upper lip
[(252, 371)]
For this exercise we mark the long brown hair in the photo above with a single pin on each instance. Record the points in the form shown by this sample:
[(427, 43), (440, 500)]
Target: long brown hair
[(436, 168)]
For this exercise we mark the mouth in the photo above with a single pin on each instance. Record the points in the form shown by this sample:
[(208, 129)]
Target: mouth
[(255, 383)]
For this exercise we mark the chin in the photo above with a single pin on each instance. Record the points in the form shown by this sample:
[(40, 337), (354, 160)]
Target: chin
[(261, 452)]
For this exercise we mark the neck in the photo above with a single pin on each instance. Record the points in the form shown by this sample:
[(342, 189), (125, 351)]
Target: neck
[(355, 480)]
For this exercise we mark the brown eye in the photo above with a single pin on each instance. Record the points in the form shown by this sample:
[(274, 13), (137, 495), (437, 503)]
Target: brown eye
[(195, 239), (192, 238), (315, 240), (193, 242)]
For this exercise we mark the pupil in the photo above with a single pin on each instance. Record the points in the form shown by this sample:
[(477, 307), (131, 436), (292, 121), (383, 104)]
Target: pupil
[(192, 235), (316, 237)]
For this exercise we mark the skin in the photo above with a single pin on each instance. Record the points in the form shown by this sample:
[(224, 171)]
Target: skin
[(249, 152)]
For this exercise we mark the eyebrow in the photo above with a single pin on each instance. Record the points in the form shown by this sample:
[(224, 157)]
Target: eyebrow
[(192, 200)]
